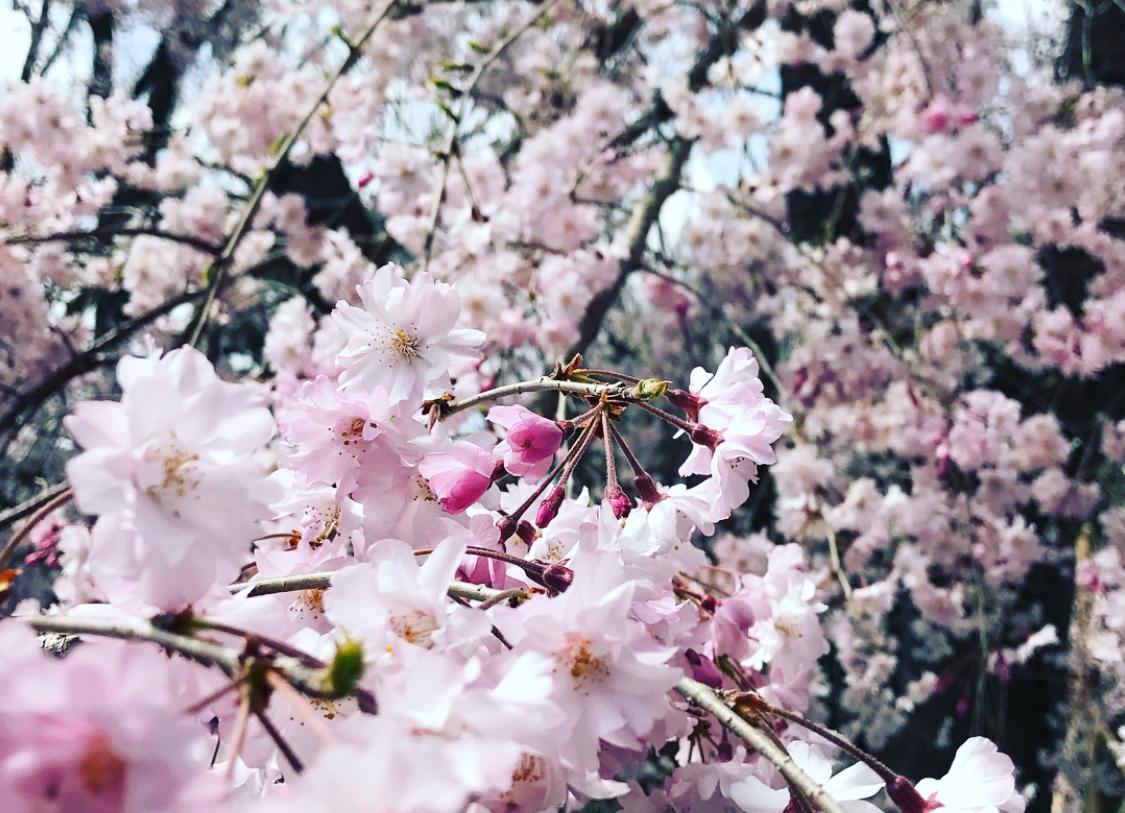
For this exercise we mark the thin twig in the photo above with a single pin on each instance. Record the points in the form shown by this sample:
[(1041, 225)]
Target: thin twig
[(322, 581), (18, 512), (450, 149), (16, 538), (241, 719), (544, 384), (226, 256)]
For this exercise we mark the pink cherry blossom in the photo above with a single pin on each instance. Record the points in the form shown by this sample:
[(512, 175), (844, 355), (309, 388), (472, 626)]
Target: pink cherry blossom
[(403, 338), (170, 473), (460, 476)]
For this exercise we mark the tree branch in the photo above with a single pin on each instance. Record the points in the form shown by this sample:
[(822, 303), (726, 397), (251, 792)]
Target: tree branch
[(636, 240), (707, 699), (544, 384), (310, 681), (99, 234), (62, 498)]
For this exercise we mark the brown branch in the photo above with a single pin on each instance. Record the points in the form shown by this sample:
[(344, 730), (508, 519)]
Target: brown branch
[(758, 741), (640, 223), (86, 361)]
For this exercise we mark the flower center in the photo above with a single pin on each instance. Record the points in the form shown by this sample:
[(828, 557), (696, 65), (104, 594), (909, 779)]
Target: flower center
[(100, 770), (583, 665), (415, 628), (405, 344), (175, 470)]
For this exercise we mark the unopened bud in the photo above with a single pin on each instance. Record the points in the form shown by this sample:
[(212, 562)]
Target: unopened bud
[(703, 669), (690, 404), (346, 668), (555, 577), (618, 500), (705, 437), (650, 388), (549, 508), (526, 532), (708, 604), (507, 526)]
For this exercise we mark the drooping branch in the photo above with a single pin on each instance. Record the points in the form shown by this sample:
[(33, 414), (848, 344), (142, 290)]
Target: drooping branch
[(299, 675), (38, 26), (27, 507), (62, 498)]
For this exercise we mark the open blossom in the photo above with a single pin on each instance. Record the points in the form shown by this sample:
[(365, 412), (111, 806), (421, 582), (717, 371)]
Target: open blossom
[(460, 476), (980, 780), (391, 601), (531, 443), (403, 337), (611, 678), (171, 475), (342, 435), (736, 427)]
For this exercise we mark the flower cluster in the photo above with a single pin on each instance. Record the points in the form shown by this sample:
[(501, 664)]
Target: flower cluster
[(517, 406)]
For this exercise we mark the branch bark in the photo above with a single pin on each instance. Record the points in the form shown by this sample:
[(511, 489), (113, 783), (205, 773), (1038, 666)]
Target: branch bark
[(708, 700), (637, 231)]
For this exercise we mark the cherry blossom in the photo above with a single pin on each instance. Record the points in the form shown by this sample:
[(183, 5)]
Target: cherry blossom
[(402, 338), (170, 473)]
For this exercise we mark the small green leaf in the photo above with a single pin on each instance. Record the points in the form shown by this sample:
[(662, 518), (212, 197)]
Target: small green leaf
[(347, 667)]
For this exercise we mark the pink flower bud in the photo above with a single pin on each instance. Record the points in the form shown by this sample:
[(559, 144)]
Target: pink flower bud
[(507, 526), (460, 476), (937, 117), (557, 577), (618, 500), (365, 179), (549, 508), (1003, 671), (531, 443), (704, 669)]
